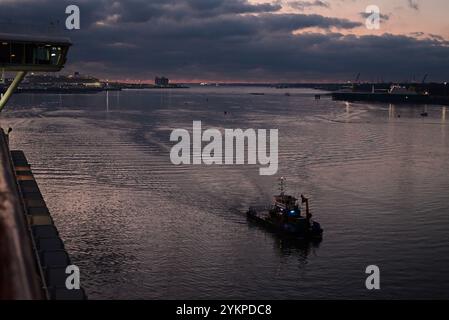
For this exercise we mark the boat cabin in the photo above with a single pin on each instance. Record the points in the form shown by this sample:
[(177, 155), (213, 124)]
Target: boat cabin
[(285, 201), (286, 205)]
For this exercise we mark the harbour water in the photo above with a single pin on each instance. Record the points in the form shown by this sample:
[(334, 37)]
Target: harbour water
[(141, 228)]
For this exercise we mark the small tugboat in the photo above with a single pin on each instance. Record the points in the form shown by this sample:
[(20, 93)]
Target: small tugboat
[(284, 217)]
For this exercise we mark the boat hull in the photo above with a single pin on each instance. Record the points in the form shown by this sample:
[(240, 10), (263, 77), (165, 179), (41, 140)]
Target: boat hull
[(300, 232)]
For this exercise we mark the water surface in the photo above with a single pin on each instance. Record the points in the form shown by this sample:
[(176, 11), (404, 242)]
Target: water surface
[(140, 228)]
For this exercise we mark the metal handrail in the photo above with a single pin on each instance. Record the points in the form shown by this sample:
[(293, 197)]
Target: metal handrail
[(19, 276)]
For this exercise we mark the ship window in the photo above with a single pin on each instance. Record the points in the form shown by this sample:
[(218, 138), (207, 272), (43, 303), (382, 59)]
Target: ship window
[(30, 54), (43, 55), (4, 52), (17, 53), (55, 54)]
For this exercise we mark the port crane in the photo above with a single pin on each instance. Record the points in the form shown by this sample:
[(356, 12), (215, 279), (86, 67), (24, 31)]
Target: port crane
[(425, 78)]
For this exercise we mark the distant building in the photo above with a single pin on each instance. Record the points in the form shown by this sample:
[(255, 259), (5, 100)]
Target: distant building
[(161, 81)]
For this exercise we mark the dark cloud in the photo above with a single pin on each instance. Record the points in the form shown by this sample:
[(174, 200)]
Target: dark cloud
[(413, 4), (228, 40), (207, 7), (383, 17), (302, 5)]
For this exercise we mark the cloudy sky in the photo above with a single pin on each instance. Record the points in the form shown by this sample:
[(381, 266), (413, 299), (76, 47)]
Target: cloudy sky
[(247, 40)]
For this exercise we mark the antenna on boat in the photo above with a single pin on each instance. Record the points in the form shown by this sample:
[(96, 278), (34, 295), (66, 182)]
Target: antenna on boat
[(306, 201), (282, 185)]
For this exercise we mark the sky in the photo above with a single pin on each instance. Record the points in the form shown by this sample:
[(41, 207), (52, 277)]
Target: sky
[(245, 40)]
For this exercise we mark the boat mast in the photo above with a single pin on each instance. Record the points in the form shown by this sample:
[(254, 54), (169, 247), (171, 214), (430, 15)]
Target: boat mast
[(282, 185), (306, 201)]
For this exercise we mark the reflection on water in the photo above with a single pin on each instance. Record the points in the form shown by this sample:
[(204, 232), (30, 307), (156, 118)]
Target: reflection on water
[(291, 247), (107, 101), (139, 227), (391, 111)]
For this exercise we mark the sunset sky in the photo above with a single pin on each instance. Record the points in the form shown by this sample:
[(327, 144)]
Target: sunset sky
[(240, 40), (404, 16)]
